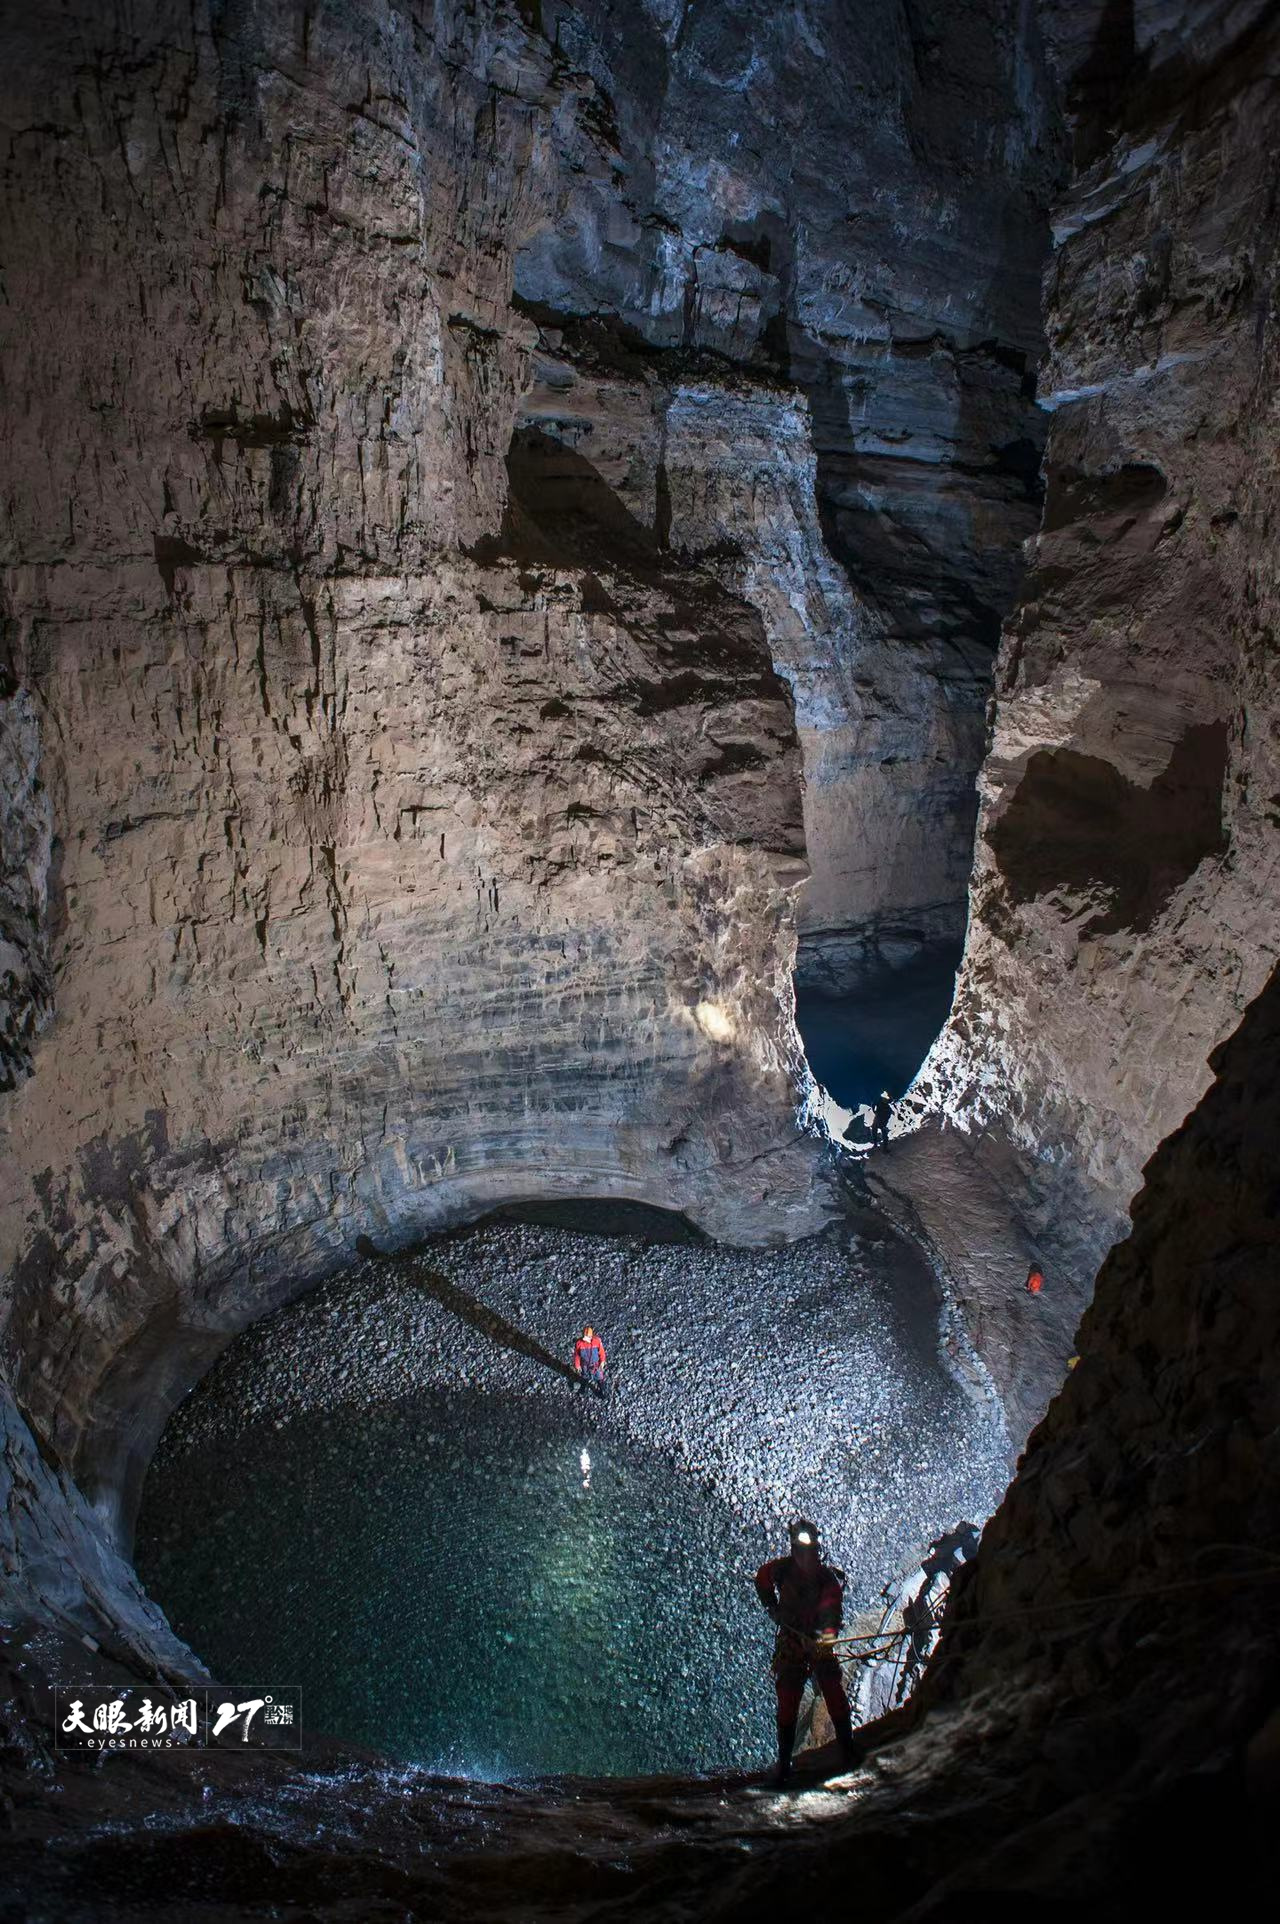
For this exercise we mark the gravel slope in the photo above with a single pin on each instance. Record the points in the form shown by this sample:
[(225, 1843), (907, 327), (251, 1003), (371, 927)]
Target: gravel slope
[(807, 1378)]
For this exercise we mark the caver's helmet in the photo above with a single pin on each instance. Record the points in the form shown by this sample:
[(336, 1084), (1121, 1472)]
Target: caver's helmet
[(803, 1532)]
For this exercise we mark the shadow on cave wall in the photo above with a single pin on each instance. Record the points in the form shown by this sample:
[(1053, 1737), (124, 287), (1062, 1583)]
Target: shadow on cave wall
[(1118, 497), (562, 514), (561, 511), (1076, 822)]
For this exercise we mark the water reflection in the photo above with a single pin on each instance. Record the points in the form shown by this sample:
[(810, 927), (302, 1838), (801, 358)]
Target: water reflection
[(466, 1584)]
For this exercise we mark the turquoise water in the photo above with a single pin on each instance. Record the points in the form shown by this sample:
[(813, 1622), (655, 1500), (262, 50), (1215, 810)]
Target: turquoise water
[(447, 1582)]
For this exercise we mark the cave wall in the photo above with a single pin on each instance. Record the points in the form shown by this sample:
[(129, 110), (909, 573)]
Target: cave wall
[(1115, 1646), (293, 522), (1124, 900), (375, 850), (442, 485), (834, 217), (1098, 1731), (465, 456)]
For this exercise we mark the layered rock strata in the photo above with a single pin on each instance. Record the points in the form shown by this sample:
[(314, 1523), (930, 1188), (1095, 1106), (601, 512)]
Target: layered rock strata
[(401, 800), (377, 845), (1124, 895), (1107, 1679), (720, 468), (851, 202), (401, 796)]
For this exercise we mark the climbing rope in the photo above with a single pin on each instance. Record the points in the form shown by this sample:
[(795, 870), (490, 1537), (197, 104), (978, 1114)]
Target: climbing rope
[(912, 1648), (875, 1647)]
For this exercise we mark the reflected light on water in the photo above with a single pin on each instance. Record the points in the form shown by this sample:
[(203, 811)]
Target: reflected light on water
[(450, 1596)]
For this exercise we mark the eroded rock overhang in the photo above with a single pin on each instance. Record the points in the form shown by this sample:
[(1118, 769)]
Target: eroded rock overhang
[(370, 859), (787, 293)]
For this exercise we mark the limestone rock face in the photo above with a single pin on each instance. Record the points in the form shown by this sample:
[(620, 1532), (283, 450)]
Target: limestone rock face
[(429, 475), (720, 469), (1141, 1529), (852, 203), (26, 847), (378, 846), (400, 785), (1124, 897)]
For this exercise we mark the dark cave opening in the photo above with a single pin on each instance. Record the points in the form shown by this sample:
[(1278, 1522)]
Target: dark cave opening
[(607, 1216), (876, 1037)]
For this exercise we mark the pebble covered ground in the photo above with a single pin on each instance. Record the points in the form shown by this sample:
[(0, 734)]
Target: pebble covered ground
[(746, 1386)]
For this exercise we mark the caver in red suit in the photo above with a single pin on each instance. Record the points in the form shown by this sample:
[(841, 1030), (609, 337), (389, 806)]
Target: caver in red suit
[(589, 1359), (805, 1598)]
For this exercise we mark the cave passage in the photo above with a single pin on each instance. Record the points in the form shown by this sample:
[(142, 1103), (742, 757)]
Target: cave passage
[(485, 1590), (877, 1038)]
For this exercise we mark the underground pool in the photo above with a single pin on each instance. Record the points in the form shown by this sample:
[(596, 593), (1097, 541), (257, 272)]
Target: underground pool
[(392, 1496), (486, 1592)]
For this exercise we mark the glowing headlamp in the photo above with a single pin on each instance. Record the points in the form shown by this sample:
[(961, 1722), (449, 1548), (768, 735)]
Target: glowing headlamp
[(802, 1536)]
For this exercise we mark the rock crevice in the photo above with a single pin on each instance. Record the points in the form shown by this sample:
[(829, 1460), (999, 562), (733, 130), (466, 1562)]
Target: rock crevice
[(1123, 898)]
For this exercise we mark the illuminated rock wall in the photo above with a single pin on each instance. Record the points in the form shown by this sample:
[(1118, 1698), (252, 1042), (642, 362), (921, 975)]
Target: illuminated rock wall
[(848, 205), (1124, 895), (378, 847)]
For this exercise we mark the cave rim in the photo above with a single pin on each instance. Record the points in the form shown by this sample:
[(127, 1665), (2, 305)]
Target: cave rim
[(116, 1495), (110, 1471)]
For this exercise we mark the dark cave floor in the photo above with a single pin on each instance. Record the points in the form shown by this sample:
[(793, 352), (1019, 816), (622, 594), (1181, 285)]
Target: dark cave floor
[(952, 1823), (211, 1837)]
